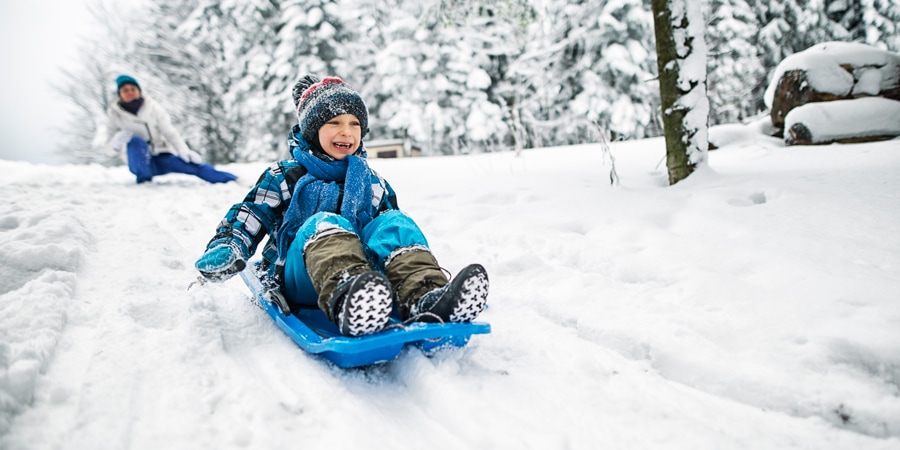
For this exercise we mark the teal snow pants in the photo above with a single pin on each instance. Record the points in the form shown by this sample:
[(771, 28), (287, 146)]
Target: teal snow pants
[(382, 236)]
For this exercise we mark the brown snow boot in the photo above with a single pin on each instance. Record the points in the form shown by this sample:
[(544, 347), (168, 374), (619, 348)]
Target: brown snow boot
[(425, 294), (354, 297)]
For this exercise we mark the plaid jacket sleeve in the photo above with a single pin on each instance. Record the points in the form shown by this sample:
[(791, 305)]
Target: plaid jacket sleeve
[(384, 197), (260, 213)]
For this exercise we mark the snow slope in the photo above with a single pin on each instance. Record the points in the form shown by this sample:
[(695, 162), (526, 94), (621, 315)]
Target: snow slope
[(754, 305)]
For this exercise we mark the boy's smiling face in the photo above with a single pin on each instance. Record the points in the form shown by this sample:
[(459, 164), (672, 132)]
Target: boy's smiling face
[(340, 136)]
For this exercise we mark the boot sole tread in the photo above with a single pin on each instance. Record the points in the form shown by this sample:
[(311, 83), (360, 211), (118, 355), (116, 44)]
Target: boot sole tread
[(368, 308), (473, 297)]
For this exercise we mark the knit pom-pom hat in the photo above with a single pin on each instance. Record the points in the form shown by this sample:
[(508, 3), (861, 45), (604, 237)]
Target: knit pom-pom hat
[(319, 101), (122, 80)]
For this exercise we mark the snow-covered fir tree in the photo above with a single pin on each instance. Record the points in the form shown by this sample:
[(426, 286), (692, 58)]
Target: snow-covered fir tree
[(597, 61), (874, 22), (489, 36), (247, 61), (187, 51), (427, 78), (406, 81), (736, 77)]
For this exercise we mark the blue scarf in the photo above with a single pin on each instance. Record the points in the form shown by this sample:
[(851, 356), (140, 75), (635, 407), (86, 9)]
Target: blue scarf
[(320, 189)]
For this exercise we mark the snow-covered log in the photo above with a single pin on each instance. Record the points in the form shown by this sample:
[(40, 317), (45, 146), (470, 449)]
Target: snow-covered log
[(855, 120)]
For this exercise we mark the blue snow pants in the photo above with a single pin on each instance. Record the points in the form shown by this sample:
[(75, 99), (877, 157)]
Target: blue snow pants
[(146, 166), (386, 233)]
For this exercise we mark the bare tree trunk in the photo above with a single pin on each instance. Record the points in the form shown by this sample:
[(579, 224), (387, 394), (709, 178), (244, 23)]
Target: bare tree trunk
[(682, 87)]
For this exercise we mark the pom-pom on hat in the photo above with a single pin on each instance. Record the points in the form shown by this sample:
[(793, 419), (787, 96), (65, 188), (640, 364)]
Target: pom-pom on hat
[(126, 79), (302, 85), (319, 101)]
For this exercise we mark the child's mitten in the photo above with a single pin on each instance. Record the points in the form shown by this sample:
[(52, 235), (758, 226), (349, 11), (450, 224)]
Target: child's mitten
[(220, 262)]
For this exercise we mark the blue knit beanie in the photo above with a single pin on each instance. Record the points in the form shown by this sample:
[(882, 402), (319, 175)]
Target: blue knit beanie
[(125, 79), (325, 100)]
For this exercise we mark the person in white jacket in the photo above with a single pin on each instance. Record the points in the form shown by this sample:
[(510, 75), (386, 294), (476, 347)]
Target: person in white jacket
[(141, 126)]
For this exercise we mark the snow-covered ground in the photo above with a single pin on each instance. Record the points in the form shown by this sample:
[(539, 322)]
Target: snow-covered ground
[(754, 305)]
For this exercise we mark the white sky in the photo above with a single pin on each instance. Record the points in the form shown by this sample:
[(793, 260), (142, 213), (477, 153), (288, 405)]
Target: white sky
[(37, 37)]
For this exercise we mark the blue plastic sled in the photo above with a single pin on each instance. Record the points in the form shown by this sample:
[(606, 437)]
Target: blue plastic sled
[(313, 332)]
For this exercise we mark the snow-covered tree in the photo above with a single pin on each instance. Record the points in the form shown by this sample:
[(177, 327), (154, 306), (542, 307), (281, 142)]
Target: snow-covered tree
[(873, 22), (250, 98), (681, 59), (787, 27), (182, 58), (404, 76), (89, 97), (736, 77), (595, 65), (492, 35), (431, 70)]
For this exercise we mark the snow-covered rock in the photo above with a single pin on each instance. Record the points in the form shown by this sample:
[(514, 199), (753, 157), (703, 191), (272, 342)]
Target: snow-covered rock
[(835, 71)]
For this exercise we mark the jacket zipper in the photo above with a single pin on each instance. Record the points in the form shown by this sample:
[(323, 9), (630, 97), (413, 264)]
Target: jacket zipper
[(149, 135)]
